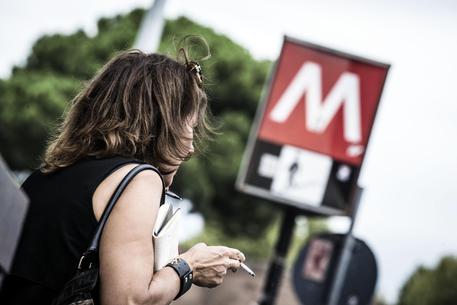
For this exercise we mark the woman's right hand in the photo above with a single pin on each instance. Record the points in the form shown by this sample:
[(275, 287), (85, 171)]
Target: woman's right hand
[(210, 263)]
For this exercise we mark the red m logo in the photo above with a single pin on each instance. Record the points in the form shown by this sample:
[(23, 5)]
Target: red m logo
[(320, 112)]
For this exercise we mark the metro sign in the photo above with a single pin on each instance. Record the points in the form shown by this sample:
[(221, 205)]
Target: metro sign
[(314, 127), (322, 102)]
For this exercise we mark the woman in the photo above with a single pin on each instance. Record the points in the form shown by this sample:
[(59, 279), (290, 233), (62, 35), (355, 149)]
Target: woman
[(139, 107)]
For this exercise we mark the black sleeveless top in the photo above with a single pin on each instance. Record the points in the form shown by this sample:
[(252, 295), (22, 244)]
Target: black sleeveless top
[(59, 226)]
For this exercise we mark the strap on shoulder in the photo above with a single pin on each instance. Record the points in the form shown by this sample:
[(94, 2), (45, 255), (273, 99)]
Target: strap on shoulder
[(89, 256)]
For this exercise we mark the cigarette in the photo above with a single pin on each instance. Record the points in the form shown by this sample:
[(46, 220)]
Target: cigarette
[(247, 269)]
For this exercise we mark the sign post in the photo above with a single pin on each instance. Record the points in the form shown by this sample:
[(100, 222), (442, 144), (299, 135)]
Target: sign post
[(279, 257), (349, 242), (310, 136)]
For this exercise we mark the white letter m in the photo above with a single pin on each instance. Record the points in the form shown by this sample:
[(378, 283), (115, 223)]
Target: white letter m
[(319, 113)]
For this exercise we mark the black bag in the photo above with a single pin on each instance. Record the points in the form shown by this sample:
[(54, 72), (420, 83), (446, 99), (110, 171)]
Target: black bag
[(80, 289)]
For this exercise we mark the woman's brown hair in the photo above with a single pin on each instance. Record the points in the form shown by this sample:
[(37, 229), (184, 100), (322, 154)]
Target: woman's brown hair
[(137, 106)]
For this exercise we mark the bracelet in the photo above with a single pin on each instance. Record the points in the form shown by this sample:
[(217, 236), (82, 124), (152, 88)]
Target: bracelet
[(184, 272)]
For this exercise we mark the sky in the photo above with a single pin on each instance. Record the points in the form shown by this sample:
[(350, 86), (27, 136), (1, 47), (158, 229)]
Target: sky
[(408, 210)]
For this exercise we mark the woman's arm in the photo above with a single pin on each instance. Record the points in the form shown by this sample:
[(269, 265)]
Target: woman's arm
[(126, 249)]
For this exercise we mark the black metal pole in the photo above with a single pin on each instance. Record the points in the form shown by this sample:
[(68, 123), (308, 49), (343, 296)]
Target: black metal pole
[(347, 247), (278, 260)]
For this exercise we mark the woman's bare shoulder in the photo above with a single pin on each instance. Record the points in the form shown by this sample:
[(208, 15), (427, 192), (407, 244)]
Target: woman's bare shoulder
[(147, 180)]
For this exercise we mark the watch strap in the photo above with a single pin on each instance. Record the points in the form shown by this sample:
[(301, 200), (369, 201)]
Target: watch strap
[(184, 272)]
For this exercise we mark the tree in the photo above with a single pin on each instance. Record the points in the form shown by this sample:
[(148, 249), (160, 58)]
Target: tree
[(432, 286), (34, 97), (30, 104)]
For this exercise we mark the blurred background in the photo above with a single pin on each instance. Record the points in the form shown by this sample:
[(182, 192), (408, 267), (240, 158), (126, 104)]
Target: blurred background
[(408, 211)]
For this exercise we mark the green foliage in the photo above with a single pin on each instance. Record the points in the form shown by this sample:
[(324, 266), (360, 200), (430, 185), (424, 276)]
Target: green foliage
[(436, 286), (78, 55), (34, 97), (30, 103), (262, 248), (259, 250)]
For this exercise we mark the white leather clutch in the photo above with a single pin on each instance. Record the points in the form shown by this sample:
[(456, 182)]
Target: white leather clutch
[(165, 236)]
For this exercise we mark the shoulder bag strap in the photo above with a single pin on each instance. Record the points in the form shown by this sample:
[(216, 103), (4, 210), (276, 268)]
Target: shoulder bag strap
[(89, 257)]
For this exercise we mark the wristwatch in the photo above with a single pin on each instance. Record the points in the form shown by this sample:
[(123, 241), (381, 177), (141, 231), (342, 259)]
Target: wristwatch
[(184, 272)]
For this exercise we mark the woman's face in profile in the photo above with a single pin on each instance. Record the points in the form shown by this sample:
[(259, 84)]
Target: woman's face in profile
[(189, 146)]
